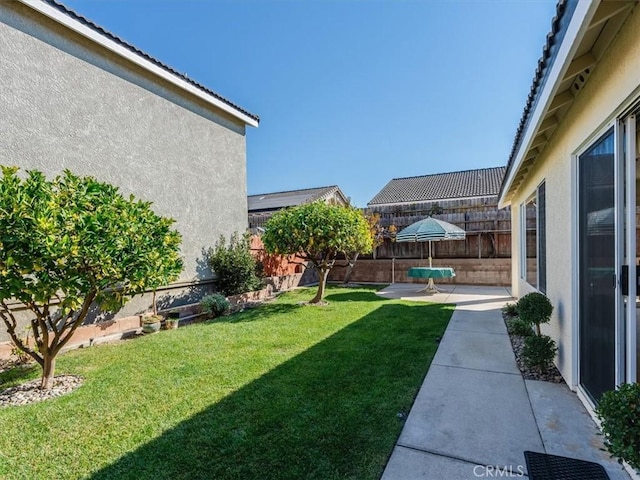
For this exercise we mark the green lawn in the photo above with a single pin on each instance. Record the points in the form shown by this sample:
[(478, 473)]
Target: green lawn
[(280, 392)]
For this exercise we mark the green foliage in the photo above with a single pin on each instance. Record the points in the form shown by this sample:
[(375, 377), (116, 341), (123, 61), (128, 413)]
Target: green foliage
[(510, 310), (235, 267), (535, 309), (516, 326), (73, 241), (318, 232), (539, 351), (214, 305), (619, 412)]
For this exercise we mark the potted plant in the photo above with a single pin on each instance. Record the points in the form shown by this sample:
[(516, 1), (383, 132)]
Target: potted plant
[(173, 318), (151, 323)]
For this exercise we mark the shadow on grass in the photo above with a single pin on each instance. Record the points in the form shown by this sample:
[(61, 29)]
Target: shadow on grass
[(260, 313), (331, 412), (357, 296), (19, 374)]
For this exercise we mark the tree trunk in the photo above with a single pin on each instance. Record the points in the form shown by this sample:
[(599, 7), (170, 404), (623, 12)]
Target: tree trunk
[(352, 263), (48, 370), (323, 273)]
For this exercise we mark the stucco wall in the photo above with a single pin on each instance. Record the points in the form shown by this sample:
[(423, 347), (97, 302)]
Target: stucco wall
[(615, 80), (66, 103)]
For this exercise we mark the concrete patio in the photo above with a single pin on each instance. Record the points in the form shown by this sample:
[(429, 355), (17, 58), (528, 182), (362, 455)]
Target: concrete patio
[(475, 415)]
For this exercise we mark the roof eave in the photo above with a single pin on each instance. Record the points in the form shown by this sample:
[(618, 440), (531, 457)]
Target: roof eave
[(94, 36), (576, 29)]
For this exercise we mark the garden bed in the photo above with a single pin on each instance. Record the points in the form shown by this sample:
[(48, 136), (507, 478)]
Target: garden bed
[(552, 374)]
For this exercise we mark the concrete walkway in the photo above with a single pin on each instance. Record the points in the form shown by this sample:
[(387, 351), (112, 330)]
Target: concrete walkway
[(475, 415)]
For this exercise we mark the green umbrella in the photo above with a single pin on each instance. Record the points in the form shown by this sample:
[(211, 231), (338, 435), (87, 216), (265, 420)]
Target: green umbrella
[(430, 230)]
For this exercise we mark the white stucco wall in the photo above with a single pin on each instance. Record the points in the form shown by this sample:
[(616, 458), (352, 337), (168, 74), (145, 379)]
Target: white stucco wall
[(614, 82)]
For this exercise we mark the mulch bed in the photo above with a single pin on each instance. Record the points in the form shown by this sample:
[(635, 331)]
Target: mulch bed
[(517, 342)]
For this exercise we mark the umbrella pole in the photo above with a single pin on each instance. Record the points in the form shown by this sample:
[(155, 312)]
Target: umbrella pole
[(430, 285)]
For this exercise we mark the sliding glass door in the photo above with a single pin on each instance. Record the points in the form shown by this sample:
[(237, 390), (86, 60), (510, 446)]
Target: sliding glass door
[(597, 266), (608, 256)]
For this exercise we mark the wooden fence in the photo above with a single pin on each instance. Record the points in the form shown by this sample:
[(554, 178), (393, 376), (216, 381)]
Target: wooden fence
[(488, 229)]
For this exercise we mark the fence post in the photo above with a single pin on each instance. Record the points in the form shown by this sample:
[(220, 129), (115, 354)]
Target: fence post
[(393, 270)]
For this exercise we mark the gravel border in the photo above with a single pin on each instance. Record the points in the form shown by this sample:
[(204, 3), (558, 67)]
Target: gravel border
[(31, 392), (552, 374)]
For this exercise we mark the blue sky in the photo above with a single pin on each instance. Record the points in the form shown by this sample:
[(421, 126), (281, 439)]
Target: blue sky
[(351, 92)]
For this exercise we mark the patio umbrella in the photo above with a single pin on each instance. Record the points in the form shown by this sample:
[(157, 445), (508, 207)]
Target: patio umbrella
[(430, 230)]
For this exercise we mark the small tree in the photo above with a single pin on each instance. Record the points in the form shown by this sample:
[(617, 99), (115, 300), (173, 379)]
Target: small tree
[(234, 265), (535, 309), (376, 232), (71, 242), (539, 350), (317, 232)]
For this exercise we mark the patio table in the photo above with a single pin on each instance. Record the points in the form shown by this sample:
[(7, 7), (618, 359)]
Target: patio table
[(430, 273)]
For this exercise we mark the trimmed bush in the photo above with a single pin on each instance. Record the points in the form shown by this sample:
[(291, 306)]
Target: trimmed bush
[(235, 267), (535, 309), (214, 305), (519, 327), (539, 351), (619, 412), (510, 310)]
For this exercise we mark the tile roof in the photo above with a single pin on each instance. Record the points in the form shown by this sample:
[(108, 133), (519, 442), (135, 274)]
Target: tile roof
[(559, 25), (275, 201), (76, 16), (469, 183)]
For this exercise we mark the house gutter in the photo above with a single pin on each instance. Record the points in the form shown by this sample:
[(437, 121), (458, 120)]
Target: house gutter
[(580, 20)]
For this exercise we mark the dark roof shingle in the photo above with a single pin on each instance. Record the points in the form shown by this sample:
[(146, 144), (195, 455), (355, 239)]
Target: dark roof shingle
[(278, 200), (469, 183)]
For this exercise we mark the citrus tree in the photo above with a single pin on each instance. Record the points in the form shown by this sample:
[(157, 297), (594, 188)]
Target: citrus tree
[(376, 234), (317, 232), (68, 244)]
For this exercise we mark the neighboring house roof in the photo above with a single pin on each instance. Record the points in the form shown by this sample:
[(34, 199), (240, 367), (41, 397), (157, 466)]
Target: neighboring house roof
[(276, 201), (76, 22), (580, 33), (482, 182)]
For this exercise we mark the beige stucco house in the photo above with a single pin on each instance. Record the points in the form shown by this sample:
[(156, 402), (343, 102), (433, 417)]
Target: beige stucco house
[(74, 96), (573, 169)]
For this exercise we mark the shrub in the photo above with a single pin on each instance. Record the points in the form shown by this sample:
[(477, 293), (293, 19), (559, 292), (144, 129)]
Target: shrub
[(619, 412), (539, 351), (510, 310), (517, 326), (214, 305), (535, 309), (235, 267)]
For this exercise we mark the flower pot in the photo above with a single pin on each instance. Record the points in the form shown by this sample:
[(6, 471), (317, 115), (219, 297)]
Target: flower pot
[(151, 324), (151, 327), (172, 323)]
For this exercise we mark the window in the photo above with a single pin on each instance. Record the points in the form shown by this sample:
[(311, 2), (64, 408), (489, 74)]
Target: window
[(533, 246)]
